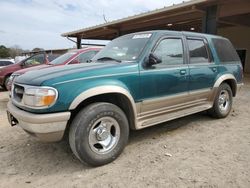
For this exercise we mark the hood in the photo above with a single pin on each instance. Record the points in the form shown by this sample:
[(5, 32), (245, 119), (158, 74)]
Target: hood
[(62, 73), (38, 67)]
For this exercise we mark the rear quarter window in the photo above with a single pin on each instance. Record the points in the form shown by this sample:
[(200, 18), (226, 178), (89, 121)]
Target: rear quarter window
[(225, 50)]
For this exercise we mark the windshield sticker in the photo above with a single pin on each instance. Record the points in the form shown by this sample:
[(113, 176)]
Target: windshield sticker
[(142, 36)]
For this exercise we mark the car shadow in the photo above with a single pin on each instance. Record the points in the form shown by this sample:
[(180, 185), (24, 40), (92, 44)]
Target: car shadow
[(58, 156), (1, 89), (32, 158), (154, 131)]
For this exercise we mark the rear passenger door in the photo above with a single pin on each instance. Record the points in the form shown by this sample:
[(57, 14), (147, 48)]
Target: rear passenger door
[(203, 69)]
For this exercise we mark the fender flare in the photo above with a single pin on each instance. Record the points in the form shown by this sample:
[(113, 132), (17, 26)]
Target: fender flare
[(103, 90), (222, 78), (218, 82)]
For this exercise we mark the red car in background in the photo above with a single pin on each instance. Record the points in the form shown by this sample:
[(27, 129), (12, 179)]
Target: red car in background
[(72, 57), (35, 60)]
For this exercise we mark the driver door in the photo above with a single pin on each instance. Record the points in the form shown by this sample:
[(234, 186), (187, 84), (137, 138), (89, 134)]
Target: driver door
[(165, 85)]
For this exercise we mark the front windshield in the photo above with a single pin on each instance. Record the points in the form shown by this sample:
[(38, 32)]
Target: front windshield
[(126, 48), (61, 59)]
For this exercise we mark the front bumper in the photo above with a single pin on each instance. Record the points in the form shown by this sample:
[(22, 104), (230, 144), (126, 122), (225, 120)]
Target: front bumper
[(46, 127)]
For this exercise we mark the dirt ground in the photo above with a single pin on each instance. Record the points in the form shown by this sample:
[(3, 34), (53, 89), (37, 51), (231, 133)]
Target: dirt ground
[(195, 151)]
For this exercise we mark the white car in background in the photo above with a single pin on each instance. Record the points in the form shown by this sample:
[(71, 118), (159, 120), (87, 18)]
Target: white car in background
[(6, 62)]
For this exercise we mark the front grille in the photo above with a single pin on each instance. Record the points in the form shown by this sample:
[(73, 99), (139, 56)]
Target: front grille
[(18, 92)]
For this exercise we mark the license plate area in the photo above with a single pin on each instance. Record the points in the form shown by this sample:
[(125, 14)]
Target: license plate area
[(12, 120)]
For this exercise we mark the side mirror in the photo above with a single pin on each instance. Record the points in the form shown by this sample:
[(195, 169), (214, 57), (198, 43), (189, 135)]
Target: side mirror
[(153, 60)]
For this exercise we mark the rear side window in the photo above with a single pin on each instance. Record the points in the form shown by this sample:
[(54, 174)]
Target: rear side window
[(225, 50), (197, 51)]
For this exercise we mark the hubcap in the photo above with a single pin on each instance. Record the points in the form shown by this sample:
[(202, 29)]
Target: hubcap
[(224, 101), (104, 135)]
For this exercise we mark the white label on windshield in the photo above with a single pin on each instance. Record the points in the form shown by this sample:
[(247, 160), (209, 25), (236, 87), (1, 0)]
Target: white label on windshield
[(142, 36)]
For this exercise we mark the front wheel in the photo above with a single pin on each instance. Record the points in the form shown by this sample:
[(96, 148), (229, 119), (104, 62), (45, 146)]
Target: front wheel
[(5, 86), (223, 102), (99, 133)]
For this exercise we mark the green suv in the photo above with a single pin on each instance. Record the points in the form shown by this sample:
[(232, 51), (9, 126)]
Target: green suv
[(136, 81)]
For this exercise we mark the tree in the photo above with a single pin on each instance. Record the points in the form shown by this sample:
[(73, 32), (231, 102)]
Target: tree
[(15, 51), (4, 52)]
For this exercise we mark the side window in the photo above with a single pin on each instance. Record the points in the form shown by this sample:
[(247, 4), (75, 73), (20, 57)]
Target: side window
[(225, 50), (7, 63), (84, 57), (51, 57), (170, 51), (2, 63), (35, 60), (197, 51)]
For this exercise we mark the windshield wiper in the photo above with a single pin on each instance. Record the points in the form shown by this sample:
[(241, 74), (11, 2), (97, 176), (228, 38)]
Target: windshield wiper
[(109, 58)]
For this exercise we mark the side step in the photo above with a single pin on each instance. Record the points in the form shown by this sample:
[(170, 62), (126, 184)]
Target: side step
[(146, 122)]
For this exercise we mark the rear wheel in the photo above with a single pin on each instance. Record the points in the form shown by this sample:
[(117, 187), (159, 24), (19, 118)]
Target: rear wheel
[(223, 102), (99, 133)]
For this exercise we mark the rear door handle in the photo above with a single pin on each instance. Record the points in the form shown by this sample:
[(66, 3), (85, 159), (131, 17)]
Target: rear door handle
[(183, 72)]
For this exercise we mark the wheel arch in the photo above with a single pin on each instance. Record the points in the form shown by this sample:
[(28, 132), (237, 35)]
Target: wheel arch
[(230, 80), (5, 77), (113, 94)]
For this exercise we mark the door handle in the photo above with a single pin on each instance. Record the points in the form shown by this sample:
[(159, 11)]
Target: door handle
[(183, 72)]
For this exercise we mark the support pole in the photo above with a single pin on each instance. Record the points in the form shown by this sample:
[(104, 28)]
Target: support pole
[(209, 21), (78, 42)]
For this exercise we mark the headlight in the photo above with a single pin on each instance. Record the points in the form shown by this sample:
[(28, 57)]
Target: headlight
[(12, 78), (40, 96)]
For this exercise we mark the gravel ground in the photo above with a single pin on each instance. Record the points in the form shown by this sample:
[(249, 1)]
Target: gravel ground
[(194, 151)]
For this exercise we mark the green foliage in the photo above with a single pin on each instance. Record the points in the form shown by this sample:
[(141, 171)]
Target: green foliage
[(4, 52)]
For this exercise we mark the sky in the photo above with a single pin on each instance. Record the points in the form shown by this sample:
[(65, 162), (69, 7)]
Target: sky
[(40, 23)]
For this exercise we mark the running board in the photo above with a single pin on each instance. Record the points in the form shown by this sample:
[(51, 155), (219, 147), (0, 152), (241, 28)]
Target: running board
[(142, 123)]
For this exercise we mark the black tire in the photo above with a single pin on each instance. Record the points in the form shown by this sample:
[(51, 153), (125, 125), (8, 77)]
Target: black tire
[(5, 86), (217, 111), (86, 122)]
